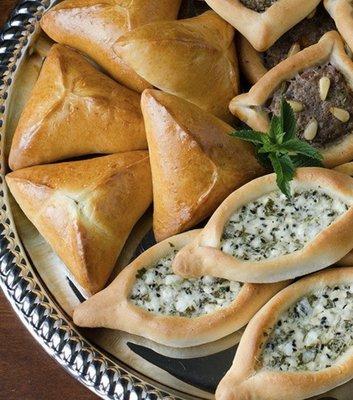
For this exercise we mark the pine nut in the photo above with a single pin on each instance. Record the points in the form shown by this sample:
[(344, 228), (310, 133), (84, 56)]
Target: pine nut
[(324, 87), (296, 105), (295, 48), (311, 130), (340, 114)]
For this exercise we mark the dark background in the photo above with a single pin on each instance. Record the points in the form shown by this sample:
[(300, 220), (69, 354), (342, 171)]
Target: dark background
[(26, 371)]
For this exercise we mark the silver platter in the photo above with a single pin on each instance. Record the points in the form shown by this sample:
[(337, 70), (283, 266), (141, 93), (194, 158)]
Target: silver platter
[(109, 373)]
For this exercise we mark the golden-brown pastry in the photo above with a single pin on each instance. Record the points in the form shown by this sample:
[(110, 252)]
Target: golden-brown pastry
[(306, 33), (147, 299), (259, 235), (93, 26), (342, 13), (318, 82), (75, 110), (262, 22), (86, 209), (299, 345), (192, 58), (195, 163)]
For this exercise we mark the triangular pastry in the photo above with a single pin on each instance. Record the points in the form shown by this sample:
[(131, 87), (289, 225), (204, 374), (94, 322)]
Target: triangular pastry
[(147, 299), (192, 58), (299, 345), (92, 27), (259, 235), (75, 110), (195, 163), (86, 209)]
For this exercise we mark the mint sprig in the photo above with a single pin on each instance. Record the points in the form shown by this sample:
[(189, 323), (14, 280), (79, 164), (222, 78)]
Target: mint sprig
[(281, 149)]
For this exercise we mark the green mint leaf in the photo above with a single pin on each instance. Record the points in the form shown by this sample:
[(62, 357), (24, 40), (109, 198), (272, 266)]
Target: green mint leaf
[(288, 120), (276, 132), (250, 136), (284, 170), (300, 147), (305, 161)]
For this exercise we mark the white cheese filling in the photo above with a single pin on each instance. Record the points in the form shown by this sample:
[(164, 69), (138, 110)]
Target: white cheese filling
[(274, 225), (313, 333), (159, 290)]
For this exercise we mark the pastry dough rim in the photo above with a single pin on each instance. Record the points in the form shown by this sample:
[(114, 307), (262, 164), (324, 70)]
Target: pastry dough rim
[(172, 331), (246, 381), (263, 29), (329, 48), (329, 246)]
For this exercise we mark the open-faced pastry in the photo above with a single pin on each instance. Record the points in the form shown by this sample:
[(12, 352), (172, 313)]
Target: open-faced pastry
[(300, 344), (86, 209), (262, 22), (318, 82), (195, 163), (147, 299), (342, 13), (306, 33), (192, 58), (75, 110), (259, 235), (93, 26)]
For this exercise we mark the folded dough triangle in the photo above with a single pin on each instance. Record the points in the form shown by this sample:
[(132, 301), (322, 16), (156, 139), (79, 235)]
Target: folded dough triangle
[(195, 163), (75, 110), (92, 26), (192, 58), (86, 209)]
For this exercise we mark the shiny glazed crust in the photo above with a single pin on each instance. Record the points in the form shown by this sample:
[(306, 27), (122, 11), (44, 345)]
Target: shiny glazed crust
[(247, 380), (204, 257), (250, 61), (93, 26), (248, 107), (86, 209), (341, 12), (75, 110), (193, 58), (263, 29), (112, 309), (195, 163)]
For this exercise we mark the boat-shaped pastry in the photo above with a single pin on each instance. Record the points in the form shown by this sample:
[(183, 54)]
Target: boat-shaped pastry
[(259, 235), (306, 33), (149, 300), (195, 163), (187, 58), (75, 110), (262, 22), (318, 83), (300, 344), (92, 27), (86, 209), (342, 13)]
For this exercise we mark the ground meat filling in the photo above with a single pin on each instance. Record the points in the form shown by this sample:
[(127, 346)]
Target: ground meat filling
[(275, 225), (157, 289), (306, 33), (258, 5), (330, 116), (313, 333)]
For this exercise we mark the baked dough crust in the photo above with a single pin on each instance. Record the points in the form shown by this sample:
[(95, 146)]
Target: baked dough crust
[(86, 209), (341, 12), (204, 256), (92, 26), (247, 380), (192, 58), (249, 107), (111, 308), (195, 163), (263, 29), (75, 110)]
